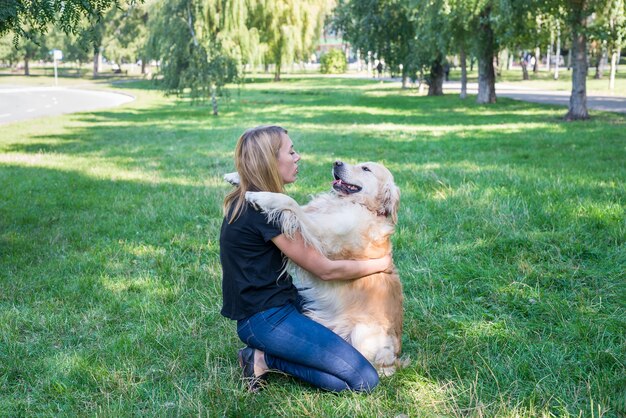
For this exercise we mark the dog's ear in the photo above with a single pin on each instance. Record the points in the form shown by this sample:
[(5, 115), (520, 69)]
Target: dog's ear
[(232, 178), (391, 201)]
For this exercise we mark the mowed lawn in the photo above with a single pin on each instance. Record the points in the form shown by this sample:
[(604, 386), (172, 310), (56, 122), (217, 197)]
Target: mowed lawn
[(510, 246)]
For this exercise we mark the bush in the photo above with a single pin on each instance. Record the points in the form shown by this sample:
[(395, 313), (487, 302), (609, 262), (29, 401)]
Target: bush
[(334, 62)]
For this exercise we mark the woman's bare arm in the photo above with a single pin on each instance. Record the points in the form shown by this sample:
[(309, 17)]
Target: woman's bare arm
[(312, 260)]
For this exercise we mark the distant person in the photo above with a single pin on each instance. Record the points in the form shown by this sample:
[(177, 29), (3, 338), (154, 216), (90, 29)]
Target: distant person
[(379, 68), (446, 71)]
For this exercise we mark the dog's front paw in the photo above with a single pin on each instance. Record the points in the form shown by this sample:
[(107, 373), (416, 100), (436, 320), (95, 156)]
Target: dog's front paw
[(232, 178), (267, 201)]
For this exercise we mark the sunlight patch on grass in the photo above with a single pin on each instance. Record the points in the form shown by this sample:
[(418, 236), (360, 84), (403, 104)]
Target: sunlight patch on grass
[(422, 394), (91, 167), (481, 329), (144, 284), (399, 133)]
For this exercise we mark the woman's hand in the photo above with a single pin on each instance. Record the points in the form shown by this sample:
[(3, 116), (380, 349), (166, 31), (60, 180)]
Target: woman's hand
[(388, 262)]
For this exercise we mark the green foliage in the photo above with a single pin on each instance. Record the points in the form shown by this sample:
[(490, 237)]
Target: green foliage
[(191, 55), (333, 62), (288, 30), (20, 17), (510, 246), (126, 34), (386, 28)]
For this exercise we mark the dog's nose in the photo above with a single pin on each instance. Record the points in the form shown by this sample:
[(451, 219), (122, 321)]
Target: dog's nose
[(338, 163)]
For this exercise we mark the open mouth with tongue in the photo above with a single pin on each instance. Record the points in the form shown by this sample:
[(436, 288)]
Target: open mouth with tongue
[(343, 187)]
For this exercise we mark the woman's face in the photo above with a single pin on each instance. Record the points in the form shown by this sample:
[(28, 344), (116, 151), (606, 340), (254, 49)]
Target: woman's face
[(287, 161)]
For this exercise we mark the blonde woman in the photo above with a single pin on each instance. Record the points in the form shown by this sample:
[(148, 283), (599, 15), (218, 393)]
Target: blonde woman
[(261, 297)]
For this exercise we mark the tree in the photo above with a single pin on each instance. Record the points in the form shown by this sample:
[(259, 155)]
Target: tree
[(486, 48), (432, 41), (8, 52), (32, 47), (460, 31), (191, 55), (230, 21), (498, 24), (287, 28), (385, 28), (126, 35), (333, 62), (32, 18), (607, 30), (577, 16)]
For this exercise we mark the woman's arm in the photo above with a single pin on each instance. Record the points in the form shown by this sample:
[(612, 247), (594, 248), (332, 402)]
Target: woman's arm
[(312, 260)]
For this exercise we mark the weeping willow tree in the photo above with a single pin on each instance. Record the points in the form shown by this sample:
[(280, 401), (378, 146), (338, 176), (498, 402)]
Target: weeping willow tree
[(185, 37), (288, 29), (229, 19)]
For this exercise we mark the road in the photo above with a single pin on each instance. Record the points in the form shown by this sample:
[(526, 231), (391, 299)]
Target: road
[(21, 103)]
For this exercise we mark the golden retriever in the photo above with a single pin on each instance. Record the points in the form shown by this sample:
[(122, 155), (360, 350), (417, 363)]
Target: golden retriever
[(353, 221)]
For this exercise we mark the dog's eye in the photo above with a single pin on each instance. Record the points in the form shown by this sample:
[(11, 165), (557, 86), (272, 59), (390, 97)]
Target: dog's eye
[(366, 169)]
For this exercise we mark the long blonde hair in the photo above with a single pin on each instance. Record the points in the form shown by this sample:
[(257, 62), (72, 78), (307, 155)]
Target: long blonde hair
[(256, 161)]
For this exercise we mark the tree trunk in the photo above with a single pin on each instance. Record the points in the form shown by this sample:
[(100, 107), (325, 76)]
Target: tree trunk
[(26, 66), (486, 75), (569, 59), (497, 65), (435, 81), (600, 63), (214, 101), (277, 72), (463, 59), (524, 65), (558, 51), (96, 61), (405, 80), (578, 99), (537, 59), (549, 52), (612, 70), (143, 66)]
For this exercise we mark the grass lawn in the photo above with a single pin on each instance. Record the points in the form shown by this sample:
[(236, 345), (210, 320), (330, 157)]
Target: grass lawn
[(510, 245)]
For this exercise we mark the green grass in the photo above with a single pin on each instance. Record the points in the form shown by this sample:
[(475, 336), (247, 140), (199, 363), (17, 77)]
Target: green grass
[(510, 246)]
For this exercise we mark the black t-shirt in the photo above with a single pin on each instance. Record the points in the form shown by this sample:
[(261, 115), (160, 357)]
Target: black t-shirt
[(252, 266)]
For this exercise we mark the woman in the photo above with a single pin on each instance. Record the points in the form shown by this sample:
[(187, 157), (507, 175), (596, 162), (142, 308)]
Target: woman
[(260, 295)]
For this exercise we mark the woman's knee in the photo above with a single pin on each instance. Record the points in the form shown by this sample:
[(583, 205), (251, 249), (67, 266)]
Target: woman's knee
[(368, 380)]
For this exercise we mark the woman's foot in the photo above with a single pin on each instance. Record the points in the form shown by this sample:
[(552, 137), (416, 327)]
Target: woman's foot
[(252, 363)]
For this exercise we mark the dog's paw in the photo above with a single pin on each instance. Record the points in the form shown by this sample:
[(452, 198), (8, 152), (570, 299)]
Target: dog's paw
[(232, 178), (268, 201)]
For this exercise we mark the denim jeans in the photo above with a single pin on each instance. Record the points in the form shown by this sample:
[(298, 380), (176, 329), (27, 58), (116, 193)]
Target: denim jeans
[(303, 348)]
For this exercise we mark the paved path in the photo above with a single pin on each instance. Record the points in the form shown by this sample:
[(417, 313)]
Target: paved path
[(22, 103), (595, 102)]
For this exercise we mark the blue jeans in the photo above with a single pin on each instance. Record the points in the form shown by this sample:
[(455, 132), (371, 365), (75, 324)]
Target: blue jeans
[(301, 347)]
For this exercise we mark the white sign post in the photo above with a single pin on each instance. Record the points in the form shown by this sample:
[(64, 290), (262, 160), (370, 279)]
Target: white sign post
[(57, 55)]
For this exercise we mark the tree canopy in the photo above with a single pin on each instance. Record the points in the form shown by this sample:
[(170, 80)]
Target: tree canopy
[(20, 17)]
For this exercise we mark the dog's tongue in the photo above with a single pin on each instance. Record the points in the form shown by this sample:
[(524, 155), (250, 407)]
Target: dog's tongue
[(336, 182)]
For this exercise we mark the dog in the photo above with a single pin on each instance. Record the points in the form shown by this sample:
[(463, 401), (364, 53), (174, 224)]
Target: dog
[(355, 220)]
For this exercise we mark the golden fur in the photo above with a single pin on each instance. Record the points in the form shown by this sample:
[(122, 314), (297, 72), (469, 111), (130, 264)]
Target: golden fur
[(354, 221)]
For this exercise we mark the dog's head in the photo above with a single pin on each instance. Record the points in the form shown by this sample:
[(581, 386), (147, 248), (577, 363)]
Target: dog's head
[(369, 184)]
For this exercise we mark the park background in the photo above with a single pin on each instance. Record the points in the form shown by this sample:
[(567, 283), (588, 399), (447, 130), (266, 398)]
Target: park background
[(511, 235)]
